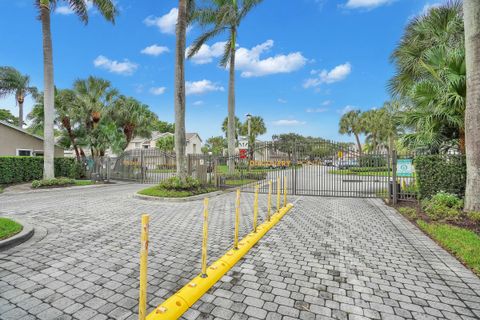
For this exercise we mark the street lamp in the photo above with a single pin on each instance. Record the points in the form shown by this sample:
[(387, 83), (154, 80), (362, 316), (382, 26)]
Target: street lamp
[(249, 128)]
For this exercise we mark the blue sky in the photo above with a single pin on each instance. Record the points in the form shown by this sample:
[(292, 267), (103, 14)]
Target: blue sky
[(301, 63)]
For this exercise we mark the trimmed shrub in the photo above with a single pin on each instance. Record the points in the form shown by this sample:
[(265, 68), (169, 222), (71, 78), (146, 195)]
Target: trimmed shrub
[(371, 160), (443, 206), (436, 173), (25, 169), (175, 183), (52, 182), (369, 169), (474, 216)]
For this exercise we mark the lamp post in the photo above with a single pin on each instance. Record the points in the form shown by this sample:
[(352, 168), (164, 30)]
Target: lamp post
[(249, 130)]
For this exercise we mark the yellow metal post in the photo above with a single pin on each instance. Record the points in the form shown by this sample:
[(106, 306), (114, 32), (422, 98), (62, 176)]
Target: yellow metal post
[(237, 220), (284, 191), (278, 194), (255, 209), (142, 303), (269, 200), (205, 238)]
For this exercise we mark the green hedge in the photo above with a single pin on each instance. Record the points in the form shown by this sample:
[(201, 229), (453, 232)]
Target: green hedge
[(436, 173), (25, 169)]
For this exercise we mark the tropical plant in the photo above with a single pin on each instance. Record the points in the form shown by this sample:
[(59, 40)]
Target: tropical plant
[(133, 118), (7, 116), (13, 82), (80, 7), (471, 9), (372, 126), (215, 145), (221, 16), (163, 126), (238, 128), (166, 144), (257, 127), (351, 123)]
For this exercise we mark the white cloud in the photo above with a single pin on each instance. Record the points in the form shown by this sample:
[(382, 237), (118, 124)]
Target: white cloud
[(347, 109), (166, 23), (366, 4), (249, 62), (154, 50), (125, 67), (288, 123), (198, 103), (202, 86), (338, 73), (428, 6), (207, 53), (280, 100), (326, 103), (316, 110), (67, 10), (157, 90)]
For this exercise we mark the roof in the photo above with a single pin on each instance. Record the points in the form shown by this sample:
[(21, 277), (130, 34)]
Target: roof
[(191, 135)]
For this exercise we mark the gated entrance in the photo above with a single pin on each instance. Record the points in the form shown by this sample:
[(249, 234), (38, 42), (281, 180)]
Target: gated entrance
[(322, 168)]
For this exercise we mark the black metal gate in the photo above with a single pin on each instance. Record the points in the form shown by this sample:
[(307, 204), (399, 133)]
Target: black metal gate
[(320, 168)]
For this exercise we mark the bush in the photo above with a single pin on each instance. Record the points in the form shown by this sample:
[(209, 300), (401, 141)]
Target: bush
[(443, 206), (175, 183), (25, 169), (368, 169), (56, 182), (474, 216), (371, 160), (409, 212), (437, 173)]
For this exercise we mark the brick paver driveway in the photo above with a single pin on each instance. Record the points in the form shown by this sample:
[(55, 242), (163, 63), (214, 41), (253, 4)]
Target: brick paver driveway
[(328, 258)]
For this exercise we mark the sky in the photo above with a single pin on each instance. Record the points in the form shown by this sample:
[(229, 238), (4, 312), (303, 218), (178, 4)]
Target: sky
[(301, 64)]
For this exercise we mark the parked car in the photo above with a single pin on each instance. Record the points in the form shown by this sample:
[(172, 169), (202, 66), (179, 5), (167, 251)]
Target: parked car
[(328, 162), (347, 164)]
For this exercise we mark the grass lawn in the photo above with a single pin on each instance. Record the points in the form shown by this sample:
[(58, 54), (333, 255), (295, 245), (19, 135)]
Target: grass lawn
[(464, 244), (9, 228), (84, 182), (238, 182), (157, 191)]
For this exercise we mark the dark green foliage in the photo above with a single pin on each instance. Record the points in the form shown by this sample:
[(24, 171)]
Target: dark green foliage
[(436, 173), (24, 169), (369, 169), (373, 161), (56, 182), (175, 183), (443, 206)]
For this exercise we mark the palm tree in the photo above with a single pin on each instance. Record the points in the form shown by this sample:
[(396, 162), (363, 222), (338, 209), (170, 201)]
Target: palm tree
[(13, 82), (351, 123), (224, 15), (132, 118), (372, 126), (80, 7), (238, 127), (257, 127), (471, 9)]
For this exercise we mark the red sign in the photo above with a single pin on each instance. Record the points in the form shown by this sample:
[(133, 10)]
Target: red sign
[(243, 153)]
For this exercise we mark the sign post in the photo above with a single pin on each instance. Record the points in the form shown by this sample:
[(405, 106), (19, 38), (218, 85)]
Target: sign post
[(243, 148), (404, 168)]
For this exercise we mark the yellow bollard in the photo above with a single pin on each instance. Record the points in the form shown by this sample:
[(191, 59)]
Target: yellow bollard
[(284, 191), (255, 209), (269, 200), (278, 194), (237, 220), (205, 238), (142, 303)]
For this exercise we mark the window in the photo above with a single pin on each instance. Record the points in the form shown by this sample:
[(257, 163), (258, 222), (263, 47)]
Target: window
[(24, 152), (38, 153), (146, 146)]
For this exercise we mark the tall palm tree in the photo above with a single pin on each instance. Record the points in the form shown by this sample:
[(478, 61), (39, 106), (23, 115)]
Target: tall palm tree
[(221, 16), (132, 118), (257, 127), (372, 126), (13, 82), (80, 7), (351, 123), (471, 9)]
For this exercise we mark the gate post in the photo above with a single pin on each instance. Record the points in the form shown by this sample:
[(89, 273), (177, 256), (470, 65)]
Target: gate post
[(294, 170), (394, 177), (142, 166)]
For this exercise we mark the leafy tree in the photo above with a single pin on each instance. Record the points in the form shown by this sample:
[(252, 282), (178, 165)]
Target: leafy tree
[(471, 9), (166, 144), (215, 145), (163, 126), (351, 123), (372, 126), (238, 126), (13, 82), (221, 16), (7, 116), (285, 142), (80, 7), (132, 118), (257, 127)]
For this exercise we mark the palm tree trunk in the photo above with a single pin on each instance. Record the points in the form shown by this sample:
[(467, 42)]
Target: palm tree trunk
[(48, 102), (461, 141), (231, 108), (20, 113), (180, 139), (471, 12), (359, 145)]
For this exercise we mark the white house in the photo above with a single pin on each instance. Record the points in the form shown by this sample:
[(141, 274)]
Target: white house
[(194, 142)]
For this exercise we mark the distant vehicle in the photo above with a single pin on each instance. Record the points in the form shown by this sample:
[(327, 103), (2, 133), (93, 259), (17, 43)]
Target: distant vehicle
[(328, 162), (347, 164)]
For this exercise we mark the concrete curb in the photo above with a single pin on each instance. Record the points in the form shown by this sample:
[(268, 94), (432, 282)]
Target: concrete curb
[(42, 190), (22, 236), (186, 199)]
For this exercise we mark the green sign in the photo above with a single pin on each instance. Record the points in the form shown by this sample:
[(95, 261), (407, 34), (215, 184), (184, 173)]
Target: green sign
[(404, 168)]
